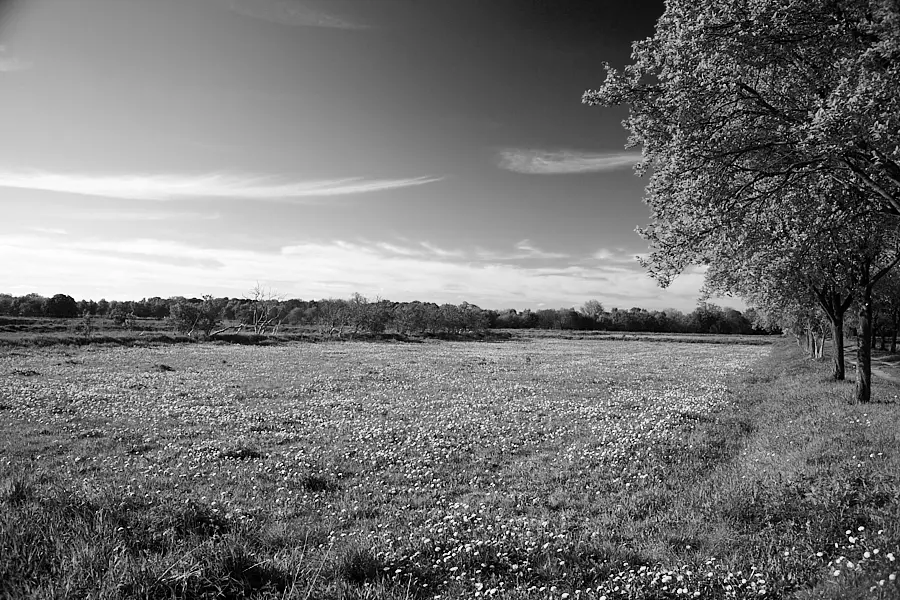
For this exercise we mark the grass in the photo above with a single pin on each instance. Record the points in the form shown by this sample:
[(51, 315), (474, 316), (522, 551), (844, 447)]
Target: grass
[(527, 469)]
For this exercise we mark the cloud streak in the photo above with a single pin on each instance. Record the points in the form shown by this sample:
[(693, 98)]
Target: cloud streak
[(563, 162), (292, 13), (213, 185)]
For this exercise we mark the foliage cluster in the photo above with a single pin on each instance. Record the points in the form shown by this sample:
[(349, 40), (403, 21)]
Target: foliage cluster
[(770, 132)]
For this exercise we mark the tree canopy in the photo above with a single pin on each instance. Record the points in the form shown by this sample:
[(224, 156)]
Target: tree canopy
[(769, 129)]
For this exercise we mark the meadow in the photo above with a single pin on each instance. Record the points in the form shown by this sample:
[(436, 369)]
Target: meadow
[(532, 468)]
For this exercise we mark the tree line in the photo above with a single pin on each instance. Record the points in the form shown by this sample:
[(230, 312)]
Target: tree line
[(266, 313), (770, 135)]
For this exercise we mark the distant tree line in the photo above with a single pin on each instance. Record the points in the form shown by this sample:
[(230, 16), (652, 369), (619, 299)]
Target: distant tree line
[(706, 318), (264, 312)]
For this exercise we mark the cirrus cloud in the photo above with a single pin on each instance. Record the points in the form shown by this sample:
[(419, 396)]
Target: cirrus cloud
[(292, 13), (211, 185), (562, 162)]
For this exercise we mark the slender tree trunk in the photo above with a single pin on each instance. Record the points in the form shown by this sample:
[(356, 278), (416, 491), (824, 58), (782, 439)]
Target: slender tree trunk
[(894, 338), (864, 350), (883, 340), (838, 371)]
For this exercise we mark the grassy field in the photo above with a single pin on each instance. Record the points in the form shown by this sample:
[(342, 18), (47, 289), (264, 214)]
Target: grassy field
[(541, 468)]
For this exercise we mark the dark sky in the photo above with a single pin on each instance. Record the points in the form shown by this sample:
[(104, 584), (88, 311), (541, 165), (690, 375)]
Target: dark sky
[(404, 148)]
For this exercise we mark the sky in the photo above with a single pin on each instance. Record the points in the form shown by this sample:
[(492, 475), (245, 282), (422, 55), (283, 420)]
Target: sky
[(404, 149)]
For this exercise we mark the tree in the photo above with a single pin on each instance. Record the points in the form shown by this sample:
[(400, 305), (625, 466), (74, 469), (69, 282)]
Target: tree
[(333, 315), (191, 317), (593, 310), (6, 304), (472, 318), (261, 311), (752, 114), (381, 315), (62, 306), (410, 317), (30, 305), (772, 91), (359, 312)]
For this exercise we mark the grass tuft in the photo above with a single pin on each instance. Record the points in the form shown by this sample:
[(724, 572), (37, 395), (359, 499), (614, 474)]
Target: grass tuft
[(358, 565)]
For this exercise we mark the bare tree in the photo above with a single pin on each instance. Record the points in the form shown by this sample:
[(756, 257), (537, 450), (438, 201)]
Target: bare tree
[(262, 312)]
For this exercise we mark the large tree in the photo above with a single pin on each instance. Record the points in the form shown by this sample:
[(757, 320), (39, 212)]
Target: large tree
[(735, 98), (742, 106), (62, 305)]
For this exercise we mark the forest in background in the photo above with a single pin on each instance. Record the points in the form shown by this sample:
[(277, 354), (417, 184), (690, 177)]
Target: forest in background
[(266, 313)]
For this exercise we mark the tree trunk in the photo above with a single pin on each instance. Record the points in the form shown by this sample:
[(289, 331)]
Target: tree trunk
[(894, 339), (838, 371), (864, 350), (883, 340)]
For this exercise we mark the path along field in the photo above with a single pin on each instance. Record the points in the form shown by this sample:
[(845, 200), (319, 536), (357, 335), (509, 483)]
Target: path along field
[(518, 469)]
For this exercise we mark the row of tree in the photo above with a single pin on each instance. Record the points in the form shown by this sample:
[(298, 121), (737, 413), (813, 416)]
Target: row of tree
[(264, 312), (64, 306), (706, 318), (771, 133)]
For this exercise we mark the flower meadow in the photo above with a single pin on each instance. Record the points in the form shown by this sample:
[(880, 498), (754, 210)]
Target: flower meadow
[(523, 469)]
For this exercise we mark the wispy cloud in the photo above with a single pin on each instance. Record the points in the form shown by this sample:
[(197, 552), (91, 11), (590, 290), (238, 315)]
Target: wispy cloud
[(213, 185), (561, 162), (532, 251), (615, 255), (441, 252), (523, 250), (122, 216), (294, 13), (49, 230)]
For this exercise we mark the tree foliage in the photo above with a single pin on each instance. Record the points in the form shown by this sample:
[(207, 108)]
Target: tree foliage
[(197, 317), (62, 306), (771, 130)]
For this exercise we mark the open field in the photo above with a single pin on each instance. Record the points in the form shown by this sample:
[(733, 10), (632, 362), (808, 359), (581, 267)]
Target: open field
[(540, 468), (40, 331)]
